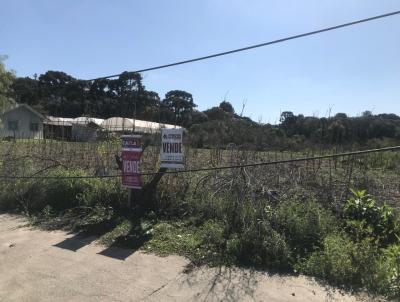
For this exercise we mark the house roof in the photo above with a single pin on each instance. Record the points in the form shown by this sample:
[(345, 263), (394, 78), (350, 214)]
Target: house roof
[(79, 121), (117, 124), (27, 107), (84, 120), (59, 121), (149, 127), (123, 124)]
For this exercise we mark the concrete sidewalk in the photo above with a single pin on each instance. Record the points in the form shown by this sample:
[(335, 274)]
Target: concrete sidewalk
[(55, 266)]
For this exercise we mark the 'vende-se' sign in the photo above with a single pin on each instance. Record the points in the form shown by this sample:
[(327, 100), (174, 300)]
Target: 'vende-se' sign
[(172, 148), (131, 153)]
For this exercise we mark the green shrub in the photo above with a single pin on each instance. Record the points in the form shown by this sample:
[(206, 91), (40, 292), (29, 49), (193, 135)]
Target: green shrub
[(261, 245), (98, 215), (34, 195), (304, 225), (202, 244), (355, 265), (61, 193), (7, 196), (22, 195), (107, 192), (212, 234), (172, 195), (366, 219), (341, 261), (388, 276), (233, 249)]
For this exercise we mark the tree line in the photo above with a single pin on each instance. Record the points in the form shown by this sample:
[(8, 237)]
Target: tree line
[(59, 94)]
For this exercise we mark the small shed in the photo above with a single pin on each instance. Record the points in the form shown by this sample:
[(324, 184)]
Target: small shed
[(85, 132), (86, 128), (57, 128)]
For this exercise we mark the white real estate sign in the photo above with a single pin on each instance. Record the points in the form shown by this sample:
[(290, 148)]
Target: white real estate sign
[(172, 148)]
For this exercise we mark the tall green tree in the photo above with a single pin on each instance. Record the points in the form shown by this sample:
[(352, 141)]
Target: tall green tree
[(26, 90), (180, 103), (227, 107), (54, 90), (6, 80)]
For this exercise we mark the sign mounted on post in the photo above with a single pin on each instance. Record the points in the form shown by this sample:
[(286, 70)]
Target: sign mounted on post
[(131, 153), (172, 148)]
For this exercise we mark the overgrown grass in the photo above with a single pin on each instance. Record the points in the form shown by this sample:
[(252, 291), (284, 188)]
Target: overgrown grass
[(61, 193), (355, 264)]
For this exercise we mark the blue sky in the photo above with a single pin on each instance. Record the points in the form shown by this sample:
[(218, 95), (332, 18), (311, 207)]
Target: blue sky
[(348, 70)]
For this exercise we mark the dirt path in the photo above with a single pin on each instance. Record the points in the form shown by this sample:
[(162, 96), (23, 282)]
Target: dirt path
[(56, 266)]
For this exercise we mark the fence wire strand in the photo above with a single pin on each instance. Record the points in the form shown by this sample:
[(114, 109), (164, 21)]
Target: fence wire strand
[(267, 163)]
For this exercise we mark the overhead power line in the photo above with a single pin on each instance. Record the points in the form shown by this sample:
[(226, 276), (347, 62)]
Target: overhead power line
[(258, 45), (268, 163)]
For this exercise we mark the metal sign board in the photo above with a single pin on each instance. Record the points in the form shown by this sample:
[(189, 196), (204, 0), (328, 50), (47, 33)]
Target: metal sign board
[(131, 153), (172, 149)]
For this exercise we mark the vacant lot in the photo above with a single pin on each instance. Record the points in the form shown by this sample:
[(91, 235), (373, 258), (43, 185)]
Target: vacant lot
[(313, 217)]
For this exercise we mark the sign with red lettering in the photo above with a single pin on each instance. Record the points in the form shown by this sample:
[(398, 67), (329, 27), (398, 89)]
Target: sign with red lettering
[(131, 153), (172, 148)]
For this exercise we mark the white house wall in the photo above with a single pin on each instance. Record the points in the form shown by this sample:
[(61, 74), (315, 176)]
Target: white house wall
[(24, 117)]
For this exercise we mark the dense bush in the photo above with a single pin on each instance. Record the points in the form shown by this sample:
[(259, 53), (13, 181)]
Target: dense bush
[(261, 245), (355, 264), (62, 190), (305, 225), (365, 253), (342, 261), (276, 237), (364, 218), (388, 272), (105, 192)]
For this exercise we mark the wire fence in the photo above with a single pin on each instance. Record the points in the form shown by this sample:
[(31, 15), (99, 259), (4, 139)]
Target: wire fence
[(324, 173), (238, 166)]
